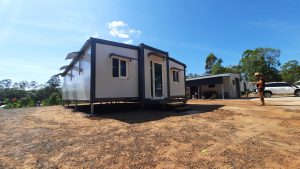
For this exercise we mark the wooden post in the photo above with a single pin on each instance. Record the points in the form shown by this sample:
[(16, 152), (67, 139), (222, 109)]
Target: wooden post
[(198, 92), (75, 109), (92, 108), (222, 91)]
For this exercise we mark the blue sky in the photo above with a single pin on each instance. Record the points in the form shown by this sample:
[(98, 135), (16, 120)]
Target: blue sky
[(36, 36)]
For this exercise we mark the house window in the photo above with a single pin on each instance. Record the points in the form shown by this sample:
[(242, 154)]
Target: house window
[(211, 86), (115, 67), (123, 68), (119, 68), (175, 76)]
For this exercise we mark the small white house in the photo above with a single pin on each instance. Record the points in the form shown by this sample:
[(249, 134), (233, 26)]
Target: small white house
[(214, 86), (110, 71)]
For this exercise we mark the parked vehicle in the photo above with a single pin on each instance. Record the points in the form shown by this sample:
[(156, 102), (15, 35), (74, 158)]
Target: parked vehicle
[(2, 106), (297, 84), (274, 88)]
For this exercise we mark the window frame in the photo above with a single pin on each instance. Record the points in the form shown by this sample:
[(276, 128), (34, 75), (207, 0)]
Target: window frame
[(119, 67), (176, 72), (285, 85), (112, 68)]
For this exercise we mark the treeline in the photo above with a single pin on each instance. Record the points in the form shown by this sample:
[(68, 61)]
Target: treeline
[(29, 94), (264, 60)]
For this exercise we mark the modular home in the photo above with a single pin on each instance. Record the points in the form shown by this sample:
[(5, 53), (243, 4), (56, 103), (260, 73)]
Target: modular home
[(106, 71), (222, 86)]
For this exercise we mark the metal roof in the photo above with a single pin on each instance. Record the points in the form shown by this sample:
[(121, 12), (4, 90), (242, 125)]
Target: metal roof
[(207, 81), (210, 76), (75, 55)]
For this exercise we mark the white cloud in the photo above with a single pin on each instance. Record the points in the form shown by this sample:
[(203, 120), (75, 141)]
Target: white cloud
[(119, 33), (116, 24), (121, 30)]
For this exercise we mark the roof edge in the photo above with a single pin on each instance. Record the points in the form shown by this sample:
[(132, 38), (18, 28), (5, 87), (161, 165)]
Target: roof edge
[(212, 76)]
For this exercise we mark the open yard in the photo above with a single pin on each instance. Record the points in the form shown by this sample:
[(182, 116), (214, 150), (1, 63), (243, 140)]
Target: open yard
[(213, 134)]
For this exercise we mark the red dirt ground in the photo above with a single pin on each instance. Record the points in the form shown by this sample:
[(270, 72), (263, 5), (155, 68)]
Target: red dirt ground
[(213, 134)]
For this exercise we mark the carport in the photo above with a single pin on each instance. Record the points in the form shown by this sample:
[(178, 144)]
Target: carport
[(198, 82), (223, 85)]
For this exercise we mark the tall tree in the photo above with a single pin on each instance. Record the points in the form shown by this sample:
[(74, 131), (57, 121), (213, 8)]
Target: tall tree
[(16, 85), (191, 75), (54, 82), (5, 83), (23, 84), (33, 85), (290, 71), (217, 68), (210, 62), (264, 60)]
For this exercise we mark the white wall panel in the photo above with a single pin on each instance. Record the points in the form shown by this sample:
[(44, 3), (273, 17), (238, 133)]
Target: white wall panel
[(177, 88), (106, 85)]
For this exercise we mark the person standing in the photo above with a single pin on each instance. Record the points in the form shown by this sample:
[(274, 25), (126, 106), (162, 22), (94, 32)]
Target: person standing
[(260, 84)]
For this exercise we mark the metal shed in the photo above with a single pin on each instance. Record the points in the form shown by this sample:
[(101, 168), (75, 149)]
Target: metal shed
[(214, 86)]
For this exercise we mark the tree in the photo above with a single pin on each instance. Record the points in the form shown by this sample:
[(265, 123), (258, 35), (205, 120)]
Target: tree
[(54, 82), (217, 68), (191, 75), (23, 84), (5, 83), (210, 62), (54, 99), (264, 60), (290, 71), (16, 85), (49, 94), (33, 85)]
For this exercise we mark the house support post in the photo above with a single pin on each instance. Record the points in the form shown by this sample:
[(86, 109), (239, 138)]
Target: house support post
[(222, 91), (75, 109), (92, 108), (198, 93), (142, 105)]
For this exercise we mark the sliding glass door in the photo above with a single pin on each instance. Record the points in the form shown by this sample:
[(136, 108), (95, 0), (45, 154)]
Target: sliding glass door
[(156, 80)]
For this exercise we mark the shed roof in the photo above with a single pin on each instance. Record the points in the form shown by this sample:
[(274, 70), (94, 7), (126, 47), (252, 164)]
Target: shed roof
[(210, 76), (206, 80)]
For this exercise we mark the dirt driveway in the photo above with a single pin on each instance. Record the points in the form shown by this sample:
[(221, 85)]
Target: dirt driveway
[(213, 134)]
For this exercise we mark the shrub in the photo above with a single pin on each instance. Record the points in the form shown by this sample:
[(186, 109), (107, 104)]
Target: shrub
[(54, 99)]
